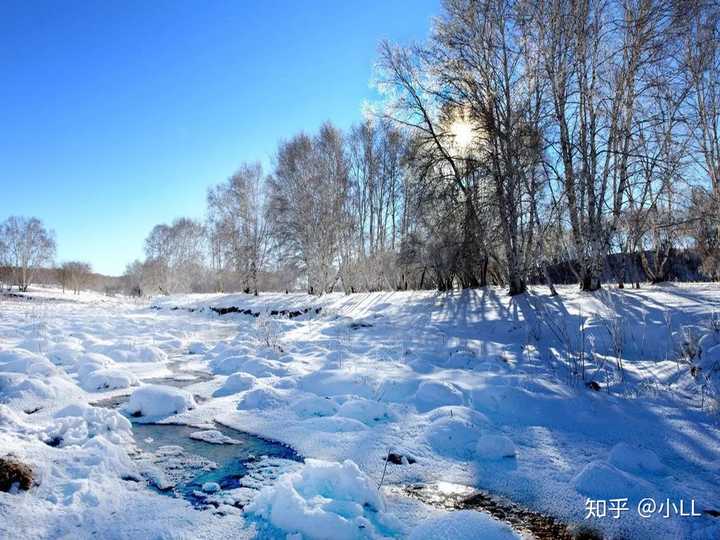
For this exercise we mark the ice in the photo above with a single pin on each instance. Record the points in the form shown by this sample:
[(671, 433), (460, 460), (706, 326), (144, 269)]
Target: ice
[(213, 436)]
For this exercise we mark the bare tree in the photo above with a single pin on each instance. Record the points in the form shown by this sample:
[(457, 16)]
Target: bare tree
[(75, 274), (29, 246), (307, 195), (176, 254), (237, 226)]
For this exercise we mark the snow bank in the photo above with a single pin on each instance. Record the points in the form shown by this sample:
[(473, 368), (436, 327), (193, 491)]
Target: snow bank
[(463, 525), (156, 400), (325, 501)]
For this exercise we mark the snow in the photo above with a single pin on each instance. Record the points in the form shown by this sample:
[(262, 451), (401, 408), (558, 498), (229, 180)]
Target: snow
[(433, 394), (237, 382), (634, 459), (463, 525), (452, 437), (261, 398), (159, 401), (366, 411), (107, 379), (211, 487), (474, 385), (325, 500), (601, 480), (313, 405), (495, 447)]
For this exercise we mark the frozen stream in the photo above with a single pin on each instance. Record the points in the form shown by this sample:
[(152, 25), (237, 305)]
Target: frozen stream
[(178, 464)]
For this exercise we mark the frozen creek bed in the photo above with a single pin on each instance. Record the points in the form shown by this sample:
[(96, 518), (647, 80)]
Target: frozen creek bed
[(145, 422)]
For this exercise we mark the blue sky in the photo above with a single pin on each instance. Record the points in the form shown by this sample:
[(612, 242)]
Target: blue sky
[(118, 115)]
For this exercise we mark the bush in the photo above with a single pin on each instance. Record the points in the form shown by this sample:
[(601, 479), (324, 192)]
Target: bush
[(14, 473)]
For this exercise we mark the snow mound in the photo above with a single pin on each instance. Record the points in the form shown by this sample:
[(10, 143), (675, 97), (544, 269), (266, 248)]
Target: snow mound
[(398, 390), (197, 347), (634, 459), (452, 437), (366, 411), (108, 379), (462, 525), (334, 382), (333, 424), (34, 388), (260, 367), (90, 362), (433, 394), (237, 382), (24, 361), (213, 436), (35, 345), (325, 501), (156, 400), (314, 406), (78, 423), (461, 360), (226, 365), (133, 353), (601, 480), (211, 487), (261, 398), (65, 354), (103, 455), (495, 447)]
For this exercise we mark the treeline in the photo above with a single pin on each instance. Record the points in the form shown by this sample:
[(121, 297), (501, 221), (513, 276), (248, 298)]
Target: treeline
[(524, 136), (27, 256)]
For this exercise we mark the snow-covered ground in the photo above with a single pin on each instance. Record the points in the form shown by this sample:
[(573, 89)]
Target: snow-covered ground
[(469, 387)]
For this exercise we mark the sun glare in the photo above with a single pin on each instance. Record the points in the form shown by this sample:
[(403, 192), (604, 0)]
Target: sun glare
[(462, 131)]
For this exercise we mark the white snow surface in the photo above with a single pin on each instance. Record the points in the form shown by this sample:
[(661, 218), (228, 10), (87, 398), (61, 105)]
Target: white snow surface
[(476, 386)]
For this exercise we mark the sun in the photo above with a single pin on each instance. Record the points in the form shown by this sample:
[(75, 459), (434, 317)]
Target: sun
[(463, 134)]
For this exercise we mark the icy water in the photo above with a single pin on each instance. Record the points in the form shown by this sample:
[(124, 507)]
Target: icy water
[(188, 463)]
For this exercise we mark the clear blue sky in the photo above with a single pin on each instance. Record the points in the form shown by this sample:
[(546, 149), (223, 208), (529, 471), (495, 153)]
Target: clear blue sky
[(118, 115)]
